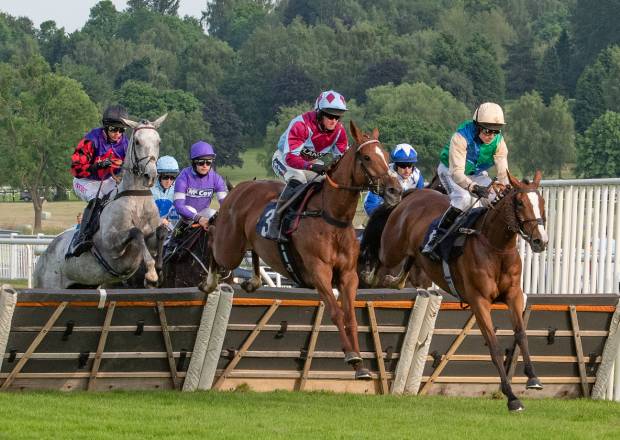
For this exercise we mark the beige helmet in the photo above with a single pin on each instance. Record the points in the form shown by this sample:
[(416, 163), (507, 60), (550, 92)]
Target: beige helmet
[(489, 115)]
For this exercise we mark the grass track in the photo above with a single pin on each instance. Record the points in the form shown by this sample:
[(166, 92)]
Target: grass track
[(284, 415)]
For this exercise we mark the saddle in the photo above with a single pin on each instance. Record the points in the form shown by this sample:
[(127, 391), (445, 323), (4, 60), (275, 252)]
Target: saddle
[(451, 247), (290, 222)]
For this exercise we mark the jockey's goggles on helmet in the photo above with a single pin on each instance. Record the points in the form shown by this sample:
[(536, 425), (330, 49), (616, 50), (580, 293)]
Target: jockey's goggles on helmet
[(202, 162), (167, 177), (113, 129), (404, 164)]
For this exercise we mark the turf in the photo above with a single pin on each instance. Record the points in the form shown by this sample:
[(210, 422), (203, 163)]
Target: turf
[(285, 415)]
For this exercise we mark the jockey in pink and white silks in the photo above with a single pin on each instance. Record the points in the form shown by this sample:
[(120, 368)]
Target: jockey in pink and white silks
[(477, 145), (308, 138)]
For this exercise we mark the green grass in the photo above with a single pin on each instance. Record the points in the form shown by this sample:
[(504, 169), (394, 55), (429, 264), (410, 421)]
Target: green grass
[(284, 415), (251, 168)]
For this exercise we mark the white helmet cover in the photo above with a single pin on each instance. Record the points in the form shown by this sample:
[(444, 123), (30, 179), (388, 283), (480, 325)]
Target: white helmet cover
[(489, 115), (331, 102)]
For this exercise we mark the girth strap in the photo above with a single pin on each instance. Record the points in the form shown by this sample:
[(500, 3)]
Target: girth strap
[(448, 277)]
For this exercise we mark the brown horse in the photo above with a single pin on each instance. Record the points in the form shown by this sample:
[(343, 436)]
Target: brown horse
[(326, 247), (488, 271)]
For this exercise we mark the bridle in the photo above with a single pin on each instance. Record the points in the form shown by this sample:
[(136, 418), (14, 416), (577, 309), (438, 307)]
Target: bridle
[(373, 183), (135, 168), (512, 218)]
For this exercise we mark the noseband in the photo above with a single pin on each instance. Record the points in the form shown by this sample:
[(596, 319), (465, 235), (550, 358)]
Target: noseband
[(136, 169), (372, 183)]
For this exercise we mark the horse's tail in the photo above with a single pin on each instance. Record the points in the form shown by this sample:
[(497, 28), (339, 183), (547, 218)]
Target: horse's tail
[(371, 240)]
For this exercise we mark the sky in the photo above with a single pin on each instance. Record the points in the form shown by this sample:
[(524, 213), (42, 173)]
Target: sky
[(72, 14)]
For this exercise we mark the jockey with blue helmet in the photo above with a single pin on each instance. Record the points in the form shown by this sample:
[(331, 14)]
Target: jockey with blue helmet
[(476, 146), (306, 140), (163, 190), (402, 160), (196, 185)]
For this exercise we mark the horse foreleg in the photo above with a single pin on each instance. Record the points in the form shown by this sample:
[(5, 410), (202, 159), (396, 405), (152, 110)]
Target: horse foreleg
[(253, 283), (150, 277), (399, 281), (347, 286), (514, 300), (482, 310)]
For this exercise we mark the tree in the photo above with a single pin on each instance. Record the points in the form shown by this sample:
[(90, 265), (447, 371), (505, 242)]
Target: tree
[(53, 42), (227, 129), (233, 21), (598, 88), (42, 115), (145, 101), (540, 136), (180, 131), (598, 154), (165, 7)]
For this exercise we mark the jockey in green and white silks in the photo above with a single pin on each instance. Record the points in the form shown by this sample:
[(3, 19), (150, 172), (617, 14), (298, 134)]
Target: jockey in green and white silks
[(475, 147)]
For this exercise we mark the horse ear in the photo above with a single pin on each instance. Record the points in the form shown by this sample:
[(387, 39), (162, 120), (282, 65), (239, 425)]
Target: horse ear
[(537, 178), (355, 132), (130, 123), (159, 120), (375, 134), (513, 181)]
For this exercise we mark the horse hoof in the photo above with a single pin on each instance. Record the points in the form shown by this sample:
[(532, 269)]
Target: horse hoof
[(362, 374), (533, 383), (515, 406), (352, 358)]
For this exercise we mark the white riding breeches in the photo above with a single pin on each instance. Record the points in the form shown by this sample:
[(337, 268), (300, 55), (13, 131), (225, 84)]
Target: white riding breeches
[(460, 198), (287, 173), (87, 189)]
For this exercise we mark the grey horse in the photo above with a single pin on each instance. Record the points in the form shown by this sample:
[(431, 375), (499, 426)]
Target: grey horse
[(127, 235)]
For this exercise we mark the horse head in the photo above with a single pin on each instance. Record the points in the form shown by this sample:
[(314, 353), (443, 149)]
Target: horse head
[(527, 213), (374, 172), (143, 150)]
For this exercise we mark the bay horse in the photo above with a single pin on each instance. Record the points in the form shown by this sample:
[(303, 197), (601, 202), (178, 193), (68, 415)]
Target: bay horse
[(128, 234), (488, 271), (326, 248)]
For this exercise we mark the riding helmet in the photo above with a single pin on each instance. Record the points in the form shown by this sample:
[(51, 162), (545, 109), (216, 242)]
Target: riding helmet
[(489, 115), (331, 102), (201, 149), (113, 116), (167, 165), (404, 153)]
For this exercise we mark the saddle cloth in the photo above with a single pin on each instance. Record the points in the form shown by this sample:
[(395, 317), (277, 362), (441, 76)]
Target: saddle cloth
[(292, 215), (452, 246)]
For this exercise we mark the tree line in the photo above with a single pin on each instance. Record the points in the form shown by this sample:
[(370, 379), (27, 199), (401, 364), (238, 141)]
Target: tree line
[(235, 77)]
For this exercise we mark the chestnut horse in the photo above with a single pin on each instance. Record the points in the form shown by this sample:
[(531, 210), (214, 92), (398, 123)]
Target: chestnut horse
[(488, 271), (326, 248)]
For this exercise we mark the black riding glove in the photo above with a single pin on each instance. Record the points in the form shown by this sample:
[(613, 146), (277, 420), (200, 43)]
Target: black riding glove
[(318, 168), (480, 191), (105, 163)]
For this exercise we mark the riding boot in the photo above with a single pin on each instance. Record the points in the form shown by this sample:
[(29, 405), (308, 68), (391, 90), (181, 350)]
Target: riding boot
[(274, 232), (437, 235), (82, 238)]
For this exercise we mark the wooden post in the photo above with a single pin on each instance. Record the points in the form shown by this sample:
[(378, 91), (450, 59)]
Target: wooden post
[(33, 346), (378, 349), (176, 383), (102, 340), (316, 328), (455, 345), (579, 351), (246, 344)]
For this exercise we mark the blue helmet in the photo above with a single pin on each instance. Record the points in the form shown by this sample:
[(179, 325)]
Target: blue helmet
[(201, 149), (404, 153), (167, 165)]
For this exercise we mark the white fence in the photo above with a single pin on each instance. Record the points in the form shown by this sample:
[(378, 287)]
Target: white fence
[(583, 223)]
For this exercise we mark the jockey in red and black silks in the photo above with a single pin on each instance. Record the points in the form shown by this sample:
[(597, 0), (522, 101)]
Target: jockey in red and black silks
[(99, 156)]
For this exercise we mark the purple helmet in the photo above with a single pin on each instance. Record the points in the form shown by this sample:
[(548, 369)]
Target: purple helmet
[(201, 149)]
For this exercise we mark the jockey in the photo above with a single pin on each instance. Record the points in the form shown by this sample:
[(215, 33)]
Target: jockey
[(94, 164), (308, 137), (99, 155), (403, 159), (476, 146), (195, 186), (163, 190)]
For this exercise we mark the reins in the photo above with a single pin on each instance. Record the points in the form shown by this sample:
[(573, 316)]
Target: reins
[(370, 180), (135, 168)]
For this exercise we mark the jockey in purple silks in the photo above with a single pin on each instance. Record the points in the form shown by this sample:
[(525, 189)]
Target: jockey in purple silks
[(195, 186), (308, 138)]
